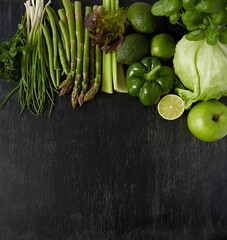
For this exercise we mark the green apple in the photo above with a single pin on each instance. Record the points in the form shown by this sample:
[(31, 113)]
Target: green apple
[(207, 120)]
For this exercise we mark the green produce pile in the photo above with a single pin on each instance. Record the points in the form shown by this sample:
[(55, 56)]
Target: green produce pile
[(111, 49), (203, 18)]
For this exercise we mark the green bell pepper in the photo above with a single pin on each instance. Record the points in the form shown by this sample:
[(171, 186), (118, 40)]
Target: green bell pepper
[(149, 80)]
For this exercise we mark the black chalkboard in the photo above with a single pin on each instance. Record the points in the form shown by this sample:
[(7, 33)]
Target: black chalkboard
[(110, 170)]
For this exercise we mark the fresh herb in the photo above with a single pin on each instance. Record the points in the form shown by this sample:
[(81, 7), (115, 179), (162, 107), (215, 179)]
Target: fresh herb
[(11, 53), (203, 18)]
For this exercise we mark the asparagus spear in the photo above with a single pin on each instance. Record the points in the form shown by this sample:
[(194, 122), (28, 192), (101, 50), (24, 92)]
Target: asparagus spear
[(92, 66), (66, 85), (96, 81), (92, 60), (80, 48), (98, 65), (85, 61)]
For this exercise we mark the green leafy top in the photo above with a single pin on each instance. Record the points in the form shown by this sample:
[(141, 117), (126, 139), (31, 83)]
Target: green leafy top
[(107, 28), (11, 52), (203, 18)]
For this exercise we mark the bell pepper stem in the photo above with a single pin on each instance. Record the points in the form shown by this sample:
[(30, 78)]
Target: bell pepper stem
[(149, 76)]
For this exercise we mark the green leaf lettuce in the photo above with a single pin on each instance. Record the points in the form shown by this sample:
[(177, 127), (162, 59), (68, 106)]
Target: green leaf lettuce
[(201, 69)]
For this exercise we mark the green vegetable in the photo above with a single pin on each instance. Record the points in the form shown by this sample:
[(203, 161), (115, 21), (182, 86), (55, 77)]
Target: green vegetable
[(157, 9), (175, 17), (54, 34), (80, 50), (119, 81), (95, 68), (209, 16), (49, 43), (187, 4), (65, 39), (221, 18), (62, 57), (201, 69), (62, 16), (67, 85), (92, 66), (64, 31), (209, 6), (107, 72), (36, 87), (223, 36), (86, 61), (98, 76), (212, 39), (11, 54), (192, 19), (171, 6), (107, 24), (149, 80), (196, 35)]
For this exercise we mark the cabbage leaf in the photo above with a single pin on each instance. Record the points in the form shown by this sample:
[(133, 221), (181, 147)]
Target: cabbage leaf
[(201, 69)]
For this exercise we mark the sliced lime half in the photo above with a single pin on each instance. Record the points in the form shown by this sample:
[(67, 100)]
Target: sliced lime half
[(171, 107)]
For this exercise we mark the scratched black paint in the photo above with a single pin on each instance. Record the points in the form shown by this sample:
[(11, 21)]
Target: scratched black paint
[(112, 169)]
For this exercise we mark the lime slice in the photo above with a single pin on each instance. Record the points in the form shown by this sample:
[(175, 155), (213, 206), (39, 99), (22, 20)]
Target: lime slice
[(171, 107)]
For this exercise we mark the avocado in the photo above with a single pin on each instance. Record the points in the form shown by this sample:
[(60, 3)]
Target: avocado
[(134, 47), (141, 18)]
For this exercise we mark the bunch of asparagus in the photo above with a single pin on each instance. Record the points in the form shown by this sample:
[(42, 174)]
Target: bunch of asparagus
[(84, 73)]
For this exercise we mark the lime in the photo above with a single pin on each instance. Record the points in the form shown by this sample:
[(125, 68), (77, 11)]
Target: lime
[(163, 46), (171, 107), (141, 18)]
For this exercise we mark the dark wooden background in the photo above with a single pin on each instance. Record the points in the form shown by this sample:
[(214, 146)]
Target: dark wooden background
[(110, 170)]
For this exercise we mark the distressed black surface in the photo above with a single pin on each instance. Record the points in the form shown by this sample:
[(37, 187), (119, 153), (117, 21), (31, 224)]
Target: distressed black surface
[(110, 170)]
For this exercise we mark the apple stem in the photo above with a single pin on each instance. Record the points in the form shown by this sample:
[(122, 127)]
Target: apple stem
[(216, 117)]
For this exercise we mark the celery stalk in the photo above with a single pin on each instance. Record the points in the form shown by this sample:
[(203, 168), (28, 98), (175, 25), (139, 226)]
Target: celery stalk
[(119, 81), (113, 6), (107, 82), (120, 84)]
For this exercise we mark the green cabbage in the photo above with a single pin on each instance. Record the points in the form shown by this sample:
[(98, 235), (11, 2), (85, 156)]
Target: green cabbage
[(201, 69)]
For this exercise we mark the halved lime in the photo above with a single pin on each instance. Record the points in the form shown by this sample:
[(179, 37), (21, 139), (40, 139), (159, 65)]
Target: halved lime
[(171, 107)]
